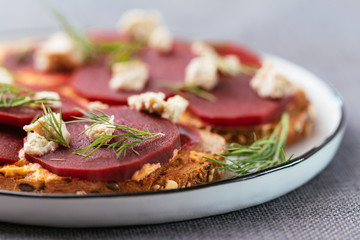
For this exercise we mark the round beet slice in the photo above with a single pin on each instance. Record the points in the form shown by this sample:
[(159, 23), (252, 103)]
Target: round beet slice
[(92, 81), (236, 104), (12, 140), (20, 116), (103, 165)]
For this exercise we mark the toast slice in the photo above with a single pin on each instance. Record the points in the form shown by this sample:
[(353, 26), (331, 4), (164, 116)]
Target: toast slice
[(187, 168)]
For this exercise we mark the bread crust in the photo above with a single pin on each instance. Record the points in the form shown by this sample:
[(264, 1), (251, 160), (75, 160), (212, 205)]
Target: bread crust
[(187, 168), (301, 124)]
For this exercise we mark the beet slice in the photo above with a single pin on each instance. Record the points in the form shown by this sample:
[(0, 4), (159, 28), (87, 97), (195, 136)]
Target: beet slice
[(237, 104), (20, 116), (12, 140), (92, 81), (189, 136), (27, 74), (103, 165)]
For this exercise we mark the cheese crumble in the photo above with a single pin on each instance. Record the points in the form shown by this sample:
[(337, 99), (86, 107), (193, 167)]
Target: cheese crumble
[(44, 95), (100, 129), (151, 102), (228, 64), (174, 108), (202, 72), (139, 23), (129, 76), (161, 39), (58, 52), (38, 145), (269, 82), (201, 48), (146, 26), (36, 127)]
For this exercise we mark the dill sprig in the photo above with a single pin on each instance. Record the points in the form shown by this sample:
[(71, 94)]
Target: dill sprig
[(55, 124), (57, 159), (14, 96), (181, 88), (128, 138), (76, 35), (262, 154), (119, 51)]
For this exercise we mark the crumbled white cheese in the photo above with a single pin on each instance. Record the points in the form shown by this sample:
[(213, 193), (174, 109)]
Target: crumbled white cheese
[(202, 72), (268, 82), (100, 129), (229, 65), (6, 76), (129, 76), (149, 102), (38, 145), (146, 26), (97, 105), (43, 95), (201, 48), (139, 23), (161, 39), (58, 52), (174, 108), (36, 127)]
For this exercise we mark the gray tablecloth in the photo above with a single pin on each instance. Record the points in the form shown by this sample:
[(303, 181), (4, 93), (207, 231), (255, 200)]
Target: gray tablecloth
[(322, 36)]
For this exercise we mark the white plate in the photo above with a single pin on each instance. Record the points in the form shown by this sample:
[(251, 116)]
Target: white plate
[(311, 156)]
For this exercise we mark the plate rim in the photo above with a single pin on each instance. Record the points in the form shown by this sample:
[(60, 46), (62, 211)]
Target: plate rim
[(341, 125)]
